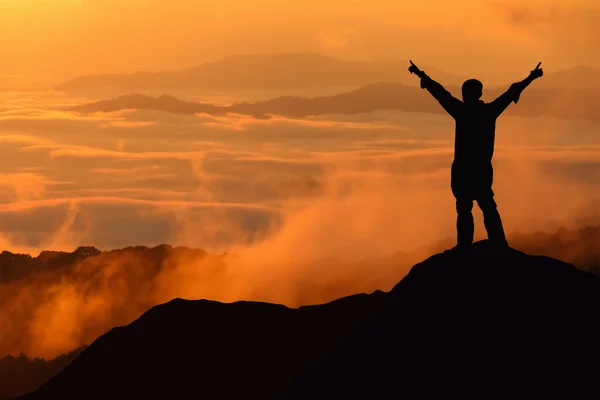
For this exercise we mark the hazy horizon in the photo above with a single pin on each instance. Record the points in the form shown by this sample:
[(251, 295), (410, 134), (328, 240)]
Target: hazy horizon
[(61, 39), (491, 78)]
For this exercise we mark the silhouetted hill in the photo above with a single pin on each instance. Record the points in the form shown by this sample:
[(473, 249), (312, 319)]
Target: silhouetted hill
[(481, 323), (559, 103), (21, 375), (261, 72)]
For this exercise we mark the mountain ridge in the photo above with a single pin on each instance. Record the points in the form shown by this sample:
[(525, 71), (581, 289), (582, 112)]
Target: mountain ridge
[(249, 72), (448, 327), (559, 103), (293, 71)]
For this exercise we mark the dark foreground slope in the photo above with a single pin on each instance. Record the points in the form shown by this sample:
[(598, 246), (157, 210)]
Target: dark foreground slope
[(479, 324), (482, 324)]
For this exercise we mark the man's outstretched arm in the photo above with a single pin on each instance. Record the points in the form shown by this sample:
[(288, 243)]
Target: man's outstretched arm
[(514, 91), (446, 100)]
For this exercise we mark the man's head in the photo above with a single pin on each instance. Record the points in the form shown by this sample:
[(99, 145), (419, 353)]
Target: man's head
[(472, 90)]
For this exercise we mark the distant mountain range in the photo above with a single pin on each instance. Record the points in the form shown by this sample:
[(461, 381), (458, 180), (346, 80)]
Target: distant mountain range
[(535, 101), (296, 72), (15, 267), (477, 323), (579, 77), (20, 375), (262, 72)]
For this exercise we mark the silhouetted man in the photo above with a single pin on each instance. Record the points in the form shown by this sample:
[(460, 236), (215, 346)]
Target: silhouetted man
[(472, 173)]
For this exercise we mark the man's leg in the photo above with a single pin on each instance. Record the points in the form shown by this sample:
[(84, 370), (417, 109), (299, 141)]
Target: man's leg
[(462, 189), (491, 217), (465, 225)]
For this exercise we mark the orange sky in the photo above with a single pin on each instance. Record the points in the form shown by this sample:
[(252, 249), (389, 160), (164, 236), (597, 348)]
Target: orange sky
[(62, 38)]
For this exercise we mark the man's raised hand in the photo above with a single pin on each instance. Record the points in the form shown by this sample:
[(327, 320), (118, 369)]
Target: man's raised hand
[(413, 69), (537, 72)]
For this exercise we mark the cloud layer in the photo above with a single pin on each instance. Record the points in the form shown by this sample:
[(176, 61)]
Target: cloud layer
[(309, 209)]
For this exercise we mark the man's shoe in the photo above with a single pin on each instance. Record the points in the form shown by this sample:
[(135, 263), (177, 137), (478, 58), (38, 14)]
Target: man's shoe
[(461, 247), (501, 243)]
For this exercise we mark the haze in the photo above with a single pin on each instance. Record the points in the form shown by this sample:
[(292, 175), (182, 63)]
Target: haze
[(58, 39)]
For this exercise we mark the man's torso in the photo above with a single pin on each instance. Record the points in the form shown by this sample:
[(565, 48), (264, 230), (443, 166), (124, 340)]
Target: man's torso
[(474, 136), (473, 149)]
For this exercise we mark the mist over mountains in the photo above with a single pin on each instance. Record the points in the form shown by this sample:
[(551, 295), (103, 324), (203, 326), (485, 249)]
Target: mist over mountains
[(50, 267), (478, 321), (381, 85), (121, 284), (577, 246)]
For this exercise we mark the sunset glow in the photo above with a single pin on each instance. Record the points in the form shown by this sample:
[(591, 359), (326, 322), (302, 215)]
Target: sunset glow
[(307, 208), (62, 38)]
